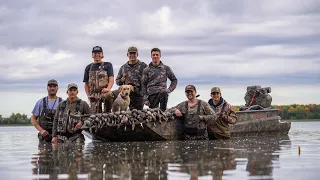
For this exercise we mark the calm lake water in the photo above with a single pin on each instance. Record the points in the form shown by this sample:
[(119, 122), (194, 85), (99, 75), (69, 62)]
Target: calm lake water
[(267, 157)]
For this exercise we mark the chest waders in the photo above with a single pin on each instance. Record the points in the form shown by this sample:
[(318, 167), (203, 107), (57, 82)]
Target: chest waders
[(219, 129), (97, 81), (46, 118), (66, 126), (194, 128)]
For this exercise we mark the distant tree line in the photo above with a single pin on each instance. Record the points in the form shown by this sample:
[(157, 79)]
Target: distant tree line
[(15, 119), (296, 111), (290, 112)]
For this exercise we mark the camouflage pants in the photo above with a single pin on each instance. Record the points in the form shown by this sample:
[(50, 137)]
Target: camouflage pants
[(159, 98), (96, 103)]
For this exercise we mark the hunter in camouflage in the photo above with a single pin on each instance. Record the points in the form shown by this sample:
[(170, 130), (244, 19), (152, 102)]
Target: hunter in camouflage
[(196, 115), (257, 98), (44, 111), (219, 129), (131, 74), (99, 79), (66, 129), (154, 82)]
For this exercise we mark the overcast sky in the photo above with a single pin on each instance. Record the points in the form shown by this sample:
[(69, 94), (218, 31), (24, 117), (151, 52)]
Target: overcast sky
[(230, 44)]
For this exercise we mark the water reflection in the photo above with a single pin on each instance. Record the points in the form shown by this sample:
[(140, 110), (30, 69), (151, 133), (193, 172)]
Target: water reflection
[(58, 161), (262, 154), (161, 160)]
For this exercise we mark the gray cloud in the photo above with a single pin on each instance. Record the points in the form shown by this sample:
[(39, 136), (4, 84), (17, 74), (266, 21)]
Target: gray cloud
[(222, 42)]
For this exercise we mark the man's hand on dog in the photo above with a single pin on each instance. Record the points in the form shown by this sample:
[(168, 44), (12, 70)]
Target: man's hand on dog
[(123, 79)]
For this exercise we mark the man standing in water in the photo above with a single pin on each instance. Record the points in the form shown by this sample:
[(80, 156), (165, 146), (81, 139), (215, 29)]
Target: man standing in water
[(219, 129), (98, 80), (154, 82), (130, 74), (196, 114), (44, 111), (66, 129)]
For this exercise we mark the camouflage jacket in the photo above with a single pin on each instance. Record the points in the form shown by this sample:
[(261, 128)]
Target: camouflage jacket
[(205, 110), (220, 127), (154, 79), (133, 75), (83, 109)]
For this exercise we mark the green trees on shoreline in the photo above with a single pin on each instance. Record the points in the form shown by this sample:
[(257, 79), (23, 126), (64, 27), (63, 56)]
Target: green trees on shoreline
[(290, 112), (15, 118)]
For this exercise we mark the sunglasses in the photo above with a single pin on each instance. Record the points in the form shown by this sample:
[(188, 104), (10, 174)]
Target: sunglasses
[(189, 91), (132, 52), (214, 93), (52, 86)]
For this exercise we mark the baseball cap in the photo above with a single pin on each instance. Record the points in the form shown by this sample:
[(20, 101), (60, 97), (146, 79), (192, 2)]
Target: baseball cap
[(132, 49), (72, 85), (52, 82), (97, 49), (190, 88), (215, 89)]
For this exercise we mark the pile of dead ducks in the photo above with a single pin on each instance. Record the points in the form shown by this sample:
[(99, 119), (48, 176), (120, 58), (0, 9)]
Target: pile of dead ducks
[(128, 118)]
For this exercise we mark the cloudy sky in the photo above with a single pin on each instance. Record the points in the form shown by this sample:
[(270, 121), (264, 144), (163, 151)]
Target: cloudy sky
[(230, 44)]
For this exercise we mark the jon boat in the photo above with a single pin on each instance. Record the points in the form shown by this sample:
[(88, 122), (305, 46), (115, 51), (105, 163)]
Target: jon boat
[(250, 123)]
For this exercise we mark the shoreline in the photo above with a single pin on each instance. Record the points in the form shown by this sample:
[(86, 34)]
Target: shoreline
[(6, 125)]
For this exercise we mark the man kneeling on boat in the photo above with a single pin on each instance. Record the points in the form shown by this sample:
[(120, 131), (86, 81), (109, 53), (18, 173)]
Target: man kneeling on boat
[(196, 115), (225, 116), (66, 129)]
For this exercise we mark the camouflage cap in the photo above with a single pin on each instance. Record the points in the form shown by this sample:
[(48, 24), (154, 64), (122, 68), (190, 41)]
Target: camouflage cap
[(72, 85), (97, 49), (215, 89), (132, 49), (190, 88), (52, 82)]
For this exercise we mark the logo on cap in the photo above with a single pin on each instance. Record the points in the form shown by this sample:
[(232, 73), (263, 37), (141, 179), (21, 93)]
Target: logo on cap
[(190, 88), (97, 49)]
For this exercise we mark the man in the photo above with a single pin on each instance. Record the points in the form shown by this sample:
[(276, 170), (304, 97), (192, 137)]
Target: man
[(196, 114), (66, 129), (154, 82), (219, 129), (98, 80), (130, 74), (44, 111)]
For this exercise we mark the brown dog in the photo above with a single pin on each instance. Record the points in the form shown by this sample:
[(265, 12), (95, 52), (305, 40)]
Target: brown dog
[(121, 103)]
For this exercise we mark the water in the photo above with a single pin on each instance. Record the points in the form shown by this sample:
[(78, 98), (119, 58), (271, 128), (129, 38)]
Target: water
[(267, 157)]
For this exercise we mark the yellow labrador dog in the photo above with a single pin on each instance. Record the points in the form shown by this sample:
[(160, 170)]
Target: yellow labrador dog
[(123, 100)]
